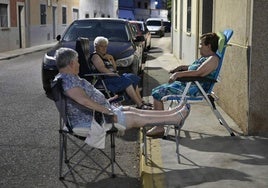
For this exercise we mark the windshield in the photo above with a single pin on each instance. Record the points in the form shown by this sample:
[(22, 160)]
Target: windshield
[(153, 23), (114, 31)]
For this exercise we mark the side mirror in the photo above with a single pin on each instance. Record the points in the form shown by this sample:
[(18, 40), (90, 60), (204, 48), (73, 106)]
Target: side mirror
[(58, 37)]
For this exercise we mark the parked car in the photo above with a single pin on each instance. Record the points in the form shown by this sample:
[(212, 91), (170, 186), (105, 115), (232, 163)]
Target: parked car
[(167, 25), (123, 45), (156, 26), (143, 30)]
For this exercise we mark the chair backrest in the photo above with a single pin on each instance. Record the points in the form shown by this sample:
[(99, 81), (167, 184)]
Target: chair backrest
[(224, 38), (83, 49), (61, 102), (61, 99)]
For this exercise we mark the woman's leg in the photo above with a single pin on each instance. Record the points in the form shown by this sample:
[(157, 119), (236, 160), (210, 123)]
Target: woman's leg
[(153, 112), (132, 94), (158, 105), (137, 89), (136, 120), (158, 93)]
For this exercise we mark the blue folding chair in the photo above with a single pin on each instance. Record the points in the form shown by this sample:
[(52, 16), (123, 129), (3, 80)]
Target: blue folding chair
[(199, 93)]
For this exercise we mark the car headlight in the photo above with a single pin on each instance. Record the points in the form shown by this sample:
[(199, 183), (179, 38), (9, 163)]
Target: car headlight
[(49, 61), (125, 62)]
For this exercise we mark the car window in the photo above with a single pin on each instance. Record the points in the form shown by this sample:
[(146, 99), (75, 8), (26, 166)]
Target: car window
[(135, 29), (140, 26), (153, 23), (114, 31)]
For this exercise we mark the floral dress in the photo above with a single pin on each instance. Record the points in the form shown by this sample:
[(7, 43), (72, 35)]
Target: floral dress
[(80, 116), (177, 87)]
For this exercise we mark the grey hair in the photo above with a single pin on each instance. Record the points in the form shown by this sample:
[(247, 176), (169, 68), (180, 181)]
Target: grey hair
[(99, 40), (64, 56)]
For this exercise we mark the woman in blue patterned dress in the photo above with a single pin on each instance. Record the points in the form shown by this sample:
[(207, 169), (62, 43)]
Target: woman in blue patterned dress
[(203, 67)]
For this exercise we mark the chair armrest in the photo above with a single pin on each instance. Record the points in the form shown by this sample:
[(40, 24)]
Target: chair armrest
[(195, 78), (99, 74)]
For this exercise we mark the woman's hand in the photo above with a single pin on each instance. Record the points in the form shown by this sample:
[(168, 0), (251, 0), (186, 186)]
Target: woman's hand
[(179, 68), (173, 77), (108, 57)]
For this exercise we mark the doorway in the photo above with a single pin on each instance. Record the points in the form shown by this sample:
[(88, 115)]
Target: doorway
[(54, 20), (21, 25)]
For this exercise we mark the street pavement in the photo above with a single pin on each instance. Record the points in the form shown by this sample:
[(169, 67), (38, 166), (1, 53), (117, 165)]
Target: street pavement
[(209, 156)]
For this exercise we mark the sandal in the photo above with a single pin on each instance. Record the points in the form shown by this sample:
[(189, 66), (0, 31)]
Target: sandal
[(147, 103), (144, 107), (184, 117)]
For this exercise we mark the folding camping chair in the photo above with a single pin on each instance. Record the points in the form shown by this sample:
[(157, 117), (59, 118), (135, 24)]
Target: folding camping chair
[(73, 149), (207, 95), (87, 71)]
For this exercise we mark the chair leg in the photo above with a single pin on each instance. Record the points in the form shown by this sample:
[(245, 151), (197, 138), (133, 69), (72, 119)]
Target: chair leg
[(112, 153), (223, 122), (61, 144), (144, 149), (218, 115), (177, 137)]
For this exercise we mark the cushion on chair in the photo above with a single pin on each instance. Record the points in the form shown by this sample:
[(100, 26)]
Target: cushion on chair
[(221, 42), (81, 131)]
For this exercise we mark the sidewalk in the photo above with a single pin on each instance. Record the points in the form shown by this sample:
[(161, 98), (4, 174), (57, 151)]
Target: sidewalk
[(209, 156), (14, 53)]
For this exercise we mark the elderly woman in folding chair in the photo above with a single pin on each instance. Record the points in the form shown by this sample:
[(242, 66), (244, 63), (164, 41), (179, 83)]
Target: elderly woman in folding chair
[(128, 82), (83, 93), (205, 66)]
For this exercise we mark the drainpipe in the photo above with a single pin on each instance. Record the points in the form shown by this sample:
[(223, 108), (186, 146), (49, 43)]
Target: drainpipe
[(197, 28), (27, 23)]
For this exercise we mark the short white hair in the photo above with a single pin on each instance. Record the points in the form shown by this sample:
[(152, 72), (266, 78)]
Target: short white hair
[(99, 40)]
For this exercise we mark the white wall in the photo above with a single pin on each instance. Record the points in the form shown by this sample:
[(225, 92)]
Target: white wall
[(185, 44), (98, 8), (9, 39)]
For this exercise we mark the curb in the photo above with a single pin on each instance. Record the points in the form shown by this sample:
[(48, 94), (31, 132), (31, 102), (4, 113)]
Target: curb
[(151, 174), (22, 51)]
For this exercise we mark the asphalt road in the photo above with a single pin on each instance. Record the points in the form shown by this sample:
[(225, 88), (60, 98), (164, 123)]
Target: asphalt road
[(29, 132)]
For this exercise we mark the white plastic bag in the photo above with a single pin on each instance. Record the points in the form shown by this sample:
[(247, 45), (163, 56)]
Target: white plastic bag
[(96, 136)]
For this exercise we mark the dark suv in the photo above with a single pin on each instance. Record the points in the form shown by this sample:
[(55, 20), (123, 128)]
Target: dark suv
[(123, 45)]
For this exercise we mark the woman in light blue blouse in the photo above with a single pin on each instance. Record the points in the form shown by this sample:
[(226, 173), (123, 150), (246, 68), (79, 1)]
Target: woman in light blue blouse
[(83, 94)]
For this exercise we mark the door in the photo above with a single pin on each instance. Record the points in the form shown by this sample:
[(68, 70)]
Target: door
[(21, 25), (54, 20)]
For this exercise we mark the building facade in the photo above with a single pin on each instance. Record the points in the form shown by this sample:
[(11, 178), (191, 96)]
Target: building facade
[(26, 23), (243, 84), (142, 9)]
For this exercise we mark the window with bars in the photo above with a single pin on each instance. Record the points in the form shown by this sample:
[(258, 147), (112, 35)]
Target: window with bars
[(64, 15), (189, 15), (43, 14), (3, 15)]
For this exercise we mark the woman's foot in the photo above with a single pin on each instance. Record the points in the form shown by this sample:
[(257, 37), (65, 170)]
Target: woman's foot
[(156, 132), (144, 107), (147, 103), (159, 131), (183, 114)]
